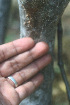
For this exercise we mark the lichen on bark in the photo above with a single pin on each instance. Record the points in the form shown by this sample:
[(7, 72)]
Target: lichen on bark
[(39, 19)]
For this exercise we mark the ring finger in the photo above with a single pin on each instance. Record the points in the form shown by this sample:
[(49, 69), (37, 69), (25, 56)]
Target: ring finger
[(31, 70)]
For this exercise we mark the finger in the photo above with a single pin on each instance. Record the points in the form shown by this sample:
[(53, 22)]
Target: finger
[(8, 93), (15, 64), (26, 89), (31, 70), (16, 47)]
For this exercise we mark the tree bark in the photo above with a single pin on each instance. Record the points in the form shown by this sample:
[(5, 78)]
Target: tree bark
[(4, 16), (39, 19)]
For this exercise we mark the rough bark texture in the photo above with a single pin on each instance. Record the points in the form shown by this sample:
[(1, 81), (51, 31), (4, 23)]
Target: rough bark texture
[(4, 14), (39, 19)]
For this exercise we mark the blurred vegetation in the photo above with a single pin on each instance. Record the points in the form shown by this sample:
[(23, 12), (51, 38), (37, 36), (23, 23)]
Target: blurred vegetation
[(59, 90), (14, 25)]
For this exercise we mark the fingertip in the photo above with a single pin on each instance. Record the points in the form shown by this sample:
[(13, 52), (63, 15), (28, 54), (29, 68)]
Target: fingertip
[(38, 79), (40, 76), (40, 49), (24, 43), (29, 39), (49, 57), (43, 47)]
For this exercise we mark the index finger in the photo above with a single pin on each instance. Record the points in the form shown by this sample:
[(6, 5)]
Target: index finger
[(15, 47)]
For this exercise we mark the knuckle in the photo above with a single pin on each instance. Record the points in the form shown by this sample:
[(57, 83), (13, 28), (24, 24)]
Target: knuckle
[(26, 90), (14, 47), (29, 90), (2, 55), (34, 85), (22, 75), (31, 55), (14, 65), (36, 65)]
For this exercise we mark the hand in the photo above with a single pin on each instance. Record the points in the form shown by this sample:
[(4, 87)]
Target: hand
[(22, 59)]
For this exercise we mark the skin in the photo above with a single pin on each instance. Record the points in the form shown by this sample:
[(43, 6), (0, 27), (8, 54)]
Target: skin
[(23, 59)]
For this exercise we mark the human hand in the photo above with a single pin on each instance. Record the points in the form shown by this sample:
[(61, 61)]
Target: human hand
[(22, 59)]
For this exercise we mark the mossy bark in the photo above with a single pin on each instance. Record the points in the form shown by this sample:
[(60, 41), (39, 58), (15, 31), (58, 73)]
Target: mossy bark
[(39, 19)]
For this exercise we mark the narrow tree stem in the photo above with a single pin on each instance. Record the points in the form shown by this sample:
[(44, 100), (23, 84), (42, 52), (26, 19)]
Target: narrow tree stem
[(60, 59)]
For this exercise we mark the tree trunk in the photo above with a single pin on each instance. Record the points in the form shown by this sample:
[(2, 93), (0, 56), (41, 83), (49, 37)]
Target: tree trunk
[(4, 14), (39, 19)]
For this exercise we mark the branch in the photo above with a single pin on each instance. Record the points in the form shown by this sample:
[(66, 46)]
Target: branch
[(60, 60)]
